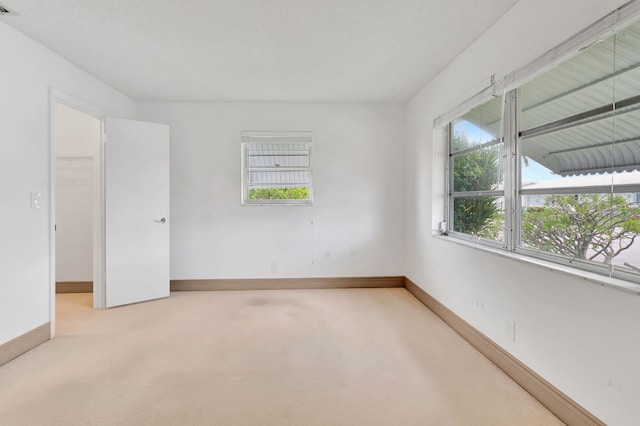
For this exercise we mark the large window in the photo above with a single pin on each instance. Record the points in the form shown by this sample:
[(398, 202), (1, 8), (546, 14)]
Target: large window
[(552, 168), (276, 168)]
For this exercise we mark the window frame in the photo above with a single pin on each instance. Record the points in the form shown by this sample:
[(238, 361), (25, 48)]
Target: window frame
[(249, 138), (509, 87), (452, 195)]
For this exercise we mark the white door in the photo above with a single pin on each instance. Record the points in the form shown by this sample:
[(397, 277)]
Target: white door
[(136, 211)]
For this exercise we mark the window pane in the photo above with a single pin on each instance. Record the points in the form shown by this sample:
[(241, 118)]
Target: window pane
[(601, 146), (627, 56), (597, 227), (586, 163), (479, 216), (480, 125), (281, 178), (625, 250), (278, 155), (479, 170), (567, 116), (477, 164), (538, 178), (572, 115), (279, 194), (278, 170), (577, 177), (477, 133), (579, 84)]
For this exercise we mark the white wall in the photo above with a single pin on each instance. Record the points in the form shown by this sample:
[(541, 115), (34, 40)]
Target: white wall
[(582, 337), (76, 135), (27, 70), (358, 197)]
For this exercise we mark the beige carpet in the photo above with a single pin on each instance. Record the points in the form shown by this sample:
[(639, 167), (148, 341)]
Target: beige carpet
[(292, 357)]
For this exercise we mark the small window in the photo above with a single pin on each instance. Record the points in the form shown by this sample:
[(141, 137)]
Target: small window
[(276, 168)]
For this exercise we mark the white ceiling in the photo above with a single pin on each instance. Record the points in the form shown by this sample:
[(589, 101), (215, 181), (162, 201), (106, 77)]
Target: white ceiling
[(259, 50)]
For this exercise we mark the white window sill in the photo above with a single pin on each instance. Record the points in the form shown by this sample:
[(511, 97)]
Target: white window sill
[(592, 277)]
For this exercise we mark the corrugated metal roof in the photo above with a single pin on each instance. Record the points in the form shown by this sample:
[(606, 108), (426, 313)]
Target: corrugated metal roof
[(617, 179), (596, 147), (605, 73), (278, 155), (278, 165), (260, 179), (600, 77)]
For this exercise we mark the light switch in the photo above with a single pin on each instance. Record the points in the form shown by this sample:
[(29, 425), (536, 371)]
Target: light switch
[(36, 200)]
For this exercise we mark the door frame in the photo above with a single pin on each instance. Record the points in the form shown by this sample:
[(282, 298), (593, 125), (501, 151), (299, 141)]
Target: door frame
[(99, 290)]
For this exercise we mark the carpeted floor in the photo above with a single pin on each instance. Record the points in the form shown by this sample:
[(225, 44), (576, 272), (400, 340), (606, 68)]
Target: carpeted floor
[(274, 358)]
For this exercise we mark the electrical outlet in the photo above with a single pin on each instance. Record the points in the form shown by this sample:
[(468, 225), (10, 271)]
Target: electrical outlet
[(275, 267), (327, 255)]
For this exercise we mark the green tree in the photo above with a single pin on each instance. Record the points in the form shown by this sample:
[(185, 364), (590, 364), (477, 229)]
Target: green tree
[(476, 171), (584, 227), (279, 194)]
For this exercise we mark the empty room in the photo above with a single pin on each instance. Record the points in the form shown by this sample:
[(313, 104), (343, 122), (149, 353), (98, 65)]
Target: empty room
[(356, 212)]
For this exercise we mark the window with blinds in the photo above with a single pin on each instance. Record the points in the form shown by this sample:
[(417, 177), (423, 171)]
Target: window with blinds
[(276, 168), (550, 167), (579, 146)]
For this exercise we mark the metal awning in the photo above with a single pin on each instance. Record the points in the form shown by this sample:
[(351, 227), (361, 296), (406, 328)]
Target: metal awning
[(625, 182), (583, 116), (277, 160)]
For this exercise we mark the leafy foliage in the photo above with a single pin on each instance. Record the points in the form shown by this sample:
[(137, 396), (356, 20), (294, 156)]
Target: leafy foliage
[(588, 226), (585, 227), (476, 171), (476, 216), (279, 194)]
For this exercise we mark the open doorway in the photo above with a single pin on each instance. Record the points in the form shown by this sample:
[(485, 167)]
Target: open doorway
[(76, 137)]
